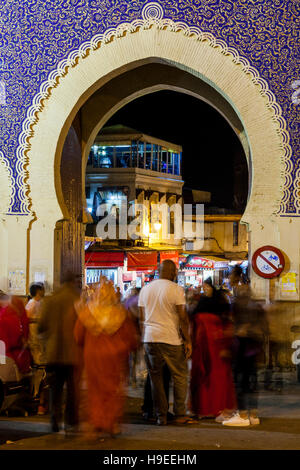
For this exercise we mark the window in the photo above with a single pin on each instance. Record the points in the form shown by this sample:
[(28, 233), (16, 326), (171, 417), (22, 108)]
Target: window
[(103, 157), (235, 233), (155, 163), (93, 275), (176, 158), (134, 150), (171, 202), (159, 163), (148, 156), (172, 222), (122, 156), (170, 162), (141, 155), (164, 161)]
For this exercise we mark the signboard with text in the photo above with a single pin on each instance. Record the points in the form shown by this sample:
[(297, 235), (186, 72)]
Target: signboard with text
[(196, 262), (289, 283)]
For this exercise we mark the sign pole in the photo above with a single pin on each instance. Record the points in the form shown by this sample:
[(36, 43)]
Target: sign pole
[(268, 281), (268, 291)]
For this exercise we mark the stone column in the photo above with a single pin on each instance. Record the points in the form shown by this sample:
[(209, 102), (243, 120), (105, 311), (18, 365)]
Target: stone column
[(13, 254)]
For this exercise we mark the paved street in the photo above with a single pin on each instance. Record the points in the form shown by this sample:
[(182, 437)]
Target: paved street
[(279, 429), (7, 435)]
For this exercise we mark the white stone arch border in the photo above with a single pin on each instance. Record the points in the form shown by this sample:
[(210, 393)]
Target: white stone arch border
[(211, 58)]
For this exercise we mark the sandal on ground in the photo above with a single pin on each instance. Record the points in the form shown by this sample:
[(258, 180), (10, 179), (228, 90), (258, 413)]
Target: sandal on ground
[(185, 420)]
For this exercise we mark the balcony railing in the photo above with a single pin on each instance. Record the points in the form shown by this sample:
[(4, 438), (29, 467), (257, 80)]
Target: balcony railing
[(136, 155)]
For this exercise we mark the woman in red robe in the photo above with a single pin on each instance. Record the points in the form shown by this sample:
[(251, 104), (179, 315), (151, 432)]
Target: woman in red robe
[(212, 388), (107, 335), (14, 331)]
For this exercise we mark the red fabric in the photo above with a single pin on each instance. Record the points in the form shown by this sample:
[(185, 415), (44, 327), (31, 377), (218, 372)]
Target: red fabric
[(106, 364), (212, 388), (14, 331), (172, 255), (104, 259), (143, 261)]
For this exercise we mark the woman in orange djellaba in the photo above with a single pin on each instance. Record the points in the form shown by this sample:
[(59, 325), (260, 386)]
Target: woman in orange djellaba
[(107, 335)]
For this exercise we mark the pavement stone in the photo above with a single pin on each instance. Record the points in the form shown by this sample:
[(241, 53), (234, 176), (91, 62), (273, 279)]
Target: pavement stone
[(279, 429)]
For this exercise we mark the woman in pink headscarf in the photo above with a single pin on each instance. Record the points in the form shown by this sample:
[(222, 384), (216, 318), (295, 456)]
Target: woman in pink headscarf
[(107, 334)]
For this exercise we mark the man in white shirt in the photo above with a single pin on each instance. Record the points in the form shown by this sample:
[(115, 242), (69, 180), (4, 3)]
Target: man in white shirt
[(166, 340)]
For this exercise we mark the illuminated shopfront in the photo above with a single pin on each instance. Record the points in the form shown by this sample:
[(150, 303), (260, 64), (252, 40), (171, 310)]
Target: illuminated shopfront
[(103, 263), (128, 268), (135, 268), (194, 270)]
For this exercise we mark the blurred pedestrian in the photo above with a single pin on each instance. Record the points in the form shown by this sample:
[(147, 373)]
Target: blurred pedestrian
[(192, 299), (36, 345), (56, 324), (276, 342), (131, 305), (14, 332), (166, 340), (4, 300), (250, 329), (118, 293), (236, 279), (107, 335), (212, 388)]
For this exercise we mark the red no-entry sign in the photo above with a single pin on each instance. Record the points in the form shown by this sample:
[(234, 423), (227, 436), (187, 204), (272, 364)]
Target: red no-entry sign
[(268, 262)]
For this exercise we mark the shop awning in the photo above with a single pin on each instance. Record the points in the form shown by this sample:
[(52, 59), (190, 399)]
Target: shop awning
[(172, 255), (196, 262), (104, 259), (141, 261)]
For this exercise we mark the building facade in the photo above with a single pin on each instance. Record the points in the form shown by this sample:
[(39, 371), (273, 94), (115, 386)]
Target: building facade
[(131, 169)]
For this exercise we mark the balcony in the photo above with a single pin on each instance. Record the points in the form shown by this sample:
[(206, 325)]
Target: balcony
[(135, 154)]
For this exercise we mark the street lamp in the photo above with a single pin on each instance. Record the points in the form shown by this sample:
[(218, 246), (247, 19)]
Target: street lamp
[(146, 230)]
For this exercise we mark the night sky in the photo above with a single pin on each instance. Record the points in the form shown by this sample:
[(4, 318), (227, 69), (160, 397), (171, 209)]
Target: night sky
[(213, 158)]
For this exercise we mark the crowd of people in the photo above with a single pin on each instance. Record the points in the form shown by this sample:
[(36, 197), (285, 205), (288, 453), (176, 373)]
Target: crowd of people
[(205, 344)]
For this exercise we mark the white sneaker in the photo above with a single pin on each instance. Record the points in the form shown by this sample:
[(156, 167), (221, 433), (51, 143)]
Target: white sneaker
[(223, 417), (236, 420)]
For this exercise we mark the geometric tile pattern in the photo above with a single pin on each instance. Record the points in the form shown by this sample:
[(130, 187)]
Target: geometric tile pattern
[(39, 37)]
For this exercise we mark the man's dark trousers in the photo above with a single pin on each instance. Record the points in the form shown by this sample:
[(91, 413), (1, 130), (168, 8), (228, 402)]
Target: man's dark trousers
[(59, 374), (157, 355)]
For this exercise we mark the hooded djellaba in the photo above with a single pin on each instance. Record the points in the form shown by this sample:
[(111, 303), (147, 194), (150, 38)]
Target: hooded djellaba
[(107, 335), (211, 387)]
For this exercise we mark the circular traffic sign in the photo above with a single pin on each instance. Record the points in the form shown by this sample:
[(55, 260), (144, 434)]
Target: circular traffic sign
[(268, 262)]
